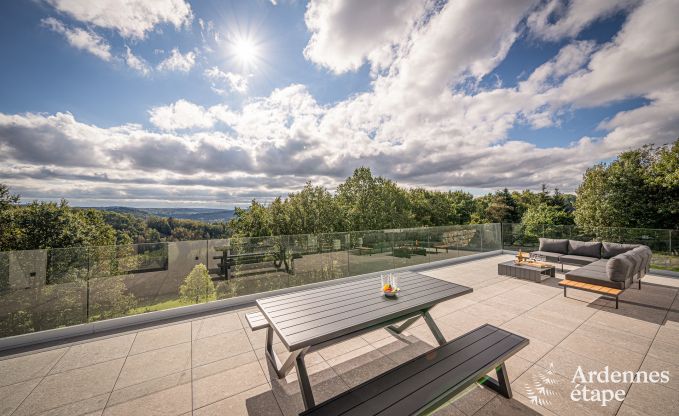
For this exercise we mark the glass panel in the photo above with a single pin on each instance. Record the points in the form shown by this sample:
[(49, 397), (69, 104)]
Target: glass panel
[(370, 251)]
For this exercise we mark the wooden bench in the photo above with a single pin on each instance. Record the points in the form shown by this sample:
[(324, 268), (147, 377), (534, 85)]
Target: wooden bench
[(256, 320), (426, 382), (601, 290)]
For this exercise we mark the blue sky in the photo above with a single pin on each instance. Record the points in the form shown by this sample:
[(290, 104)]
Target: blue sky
[(213, 103)]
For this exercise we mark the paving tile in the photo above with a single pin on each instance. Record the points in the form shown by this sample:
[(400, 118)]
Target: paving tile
[(153, 364), (214, 325), (169, 395), (401, 349), (653, 364), (223, 365), (624, 323), (668, 335), (601, 351), (27, 367), (473, 399), (613, 336), (93, 406), (11, 396), (534, 329), (94, 352), (653, 399), (664, 352), (161, 337), (325, 384), (535, 350), (516, 366), (447, 409), (341, 348), (71, 386), (258, 401), (218, 386), (218, 347), (499, 406), (565, 363), (627, 410), (361, 365)]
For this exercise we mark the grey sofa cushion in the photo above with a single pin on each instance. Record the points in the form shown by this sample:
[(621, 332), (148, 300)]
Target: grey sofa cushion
[(584, 248), (577, 260), (613, 249), (619, 268), (637, 260), (549, 256), (645, 254), (598, 265), (554, 245), (595, 277)]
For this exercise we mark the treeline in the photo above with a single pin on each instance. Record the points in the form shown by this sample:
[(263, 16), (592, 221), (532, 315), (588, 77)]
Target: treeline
[(41, 225), (367, 202)]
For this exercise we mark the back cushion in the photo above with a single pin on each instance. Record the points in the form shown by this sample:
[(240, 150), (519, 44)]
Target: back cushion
[(554, 245), (583, 248), (618, 269), (613, 249)]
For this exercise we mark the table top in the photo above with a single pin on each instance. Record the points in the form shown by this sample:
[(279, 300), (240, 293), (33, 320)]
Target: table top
[(527, 265), (310, 317)]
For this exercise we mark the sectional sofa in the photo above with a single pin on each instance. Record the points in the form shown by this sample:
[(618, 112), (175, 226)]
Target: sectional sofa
[(610, 265)]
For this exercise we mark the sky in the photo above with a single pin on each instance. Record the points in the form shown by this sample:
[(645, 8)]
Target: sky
[(211, 103)]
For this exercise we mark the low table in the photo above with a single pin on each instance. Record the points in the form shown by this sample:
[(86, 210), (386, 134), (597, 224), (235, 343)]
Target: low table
[(525, 271)]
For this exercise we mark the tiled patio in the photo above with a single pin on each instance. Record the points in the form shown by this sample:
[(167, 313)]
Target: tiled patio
[(214, 365)]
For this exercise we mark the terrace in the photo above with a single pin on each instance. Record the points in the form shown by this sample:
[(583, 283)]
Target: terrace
[(204, 359)]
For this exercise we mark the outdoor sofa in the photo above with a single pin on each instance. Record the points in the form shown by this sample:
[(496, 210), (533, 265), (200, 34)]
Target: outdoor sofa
[(606, 268)]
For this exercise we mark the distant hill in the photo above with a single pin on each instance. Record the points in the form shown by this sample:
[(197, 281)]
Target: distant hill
[(197, 214)]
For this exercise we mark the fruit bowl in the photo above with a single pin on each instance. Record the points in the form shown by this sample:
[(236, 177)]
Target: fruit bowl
[(390, 291)]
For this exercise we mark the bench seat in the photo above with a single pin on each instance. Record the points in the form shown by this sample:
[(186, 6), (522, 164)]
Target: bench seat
[(428, 381), (256, 320), (587, 287)]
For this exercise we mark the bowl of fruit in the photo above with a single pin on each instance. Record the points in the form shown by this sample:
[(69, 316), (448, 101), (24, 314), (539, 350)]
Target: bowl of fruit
[(389, 290)]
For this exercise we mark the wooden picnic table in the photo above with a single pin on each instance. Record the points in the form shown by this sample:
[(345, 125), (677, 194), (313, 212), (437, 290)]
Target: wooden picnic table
[(278, 257), (312, 319)]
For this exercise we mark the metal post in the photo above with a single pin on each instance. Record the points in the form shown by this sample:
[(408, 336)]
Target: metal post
[(304, 385)]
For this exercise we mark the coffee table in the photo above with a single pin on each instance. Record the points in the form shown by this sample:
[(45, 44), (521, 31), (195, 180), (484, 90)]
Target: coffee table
[(525, 271)]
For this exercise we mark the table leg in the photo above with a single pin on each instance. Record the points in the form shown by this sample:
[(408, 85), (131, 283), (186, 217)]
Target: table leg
[(303, 378), (396, 330), (434, 329), (282, 369)]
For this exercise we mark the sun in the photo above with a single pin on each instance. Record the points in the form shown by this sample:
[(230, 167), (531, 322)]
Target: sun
[(245, 51)]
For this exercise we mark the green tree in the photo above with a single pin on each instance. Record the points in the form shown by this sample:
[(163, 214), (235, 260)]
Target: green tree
[(373, 203), (197, 287), (7, 199), (543, 214), (638, 189), (40, 225)]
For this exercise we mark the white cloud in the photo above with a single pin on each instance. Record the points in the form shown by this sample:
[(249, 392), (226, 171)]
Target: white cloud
[(346, 33), (135, 62), (557, 19), (181, 115), (178, 62), (643, 58), (420, 123), (130, 18), (236, 82), (81, 39)]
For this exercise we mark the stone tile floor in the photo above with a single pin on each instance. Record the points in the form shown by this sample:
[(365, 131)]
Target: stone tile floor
[(214, 365)]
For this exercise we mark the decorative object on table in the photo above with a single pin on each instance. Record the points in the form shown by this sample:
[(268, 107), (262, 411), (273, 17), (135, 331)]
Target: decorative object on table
[(521, 257), (389, 284)]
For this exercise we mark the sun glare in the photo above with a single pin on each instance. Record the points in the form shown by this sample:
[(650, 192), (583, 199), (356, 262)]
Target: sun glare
[(245, 51)]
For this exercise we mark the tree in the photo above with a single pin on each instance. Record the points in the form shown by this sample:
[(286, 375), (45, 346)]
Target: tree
[(7, 200), (543, 214), (197, 286), (638, 189), (373, 203), (40, 225)]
